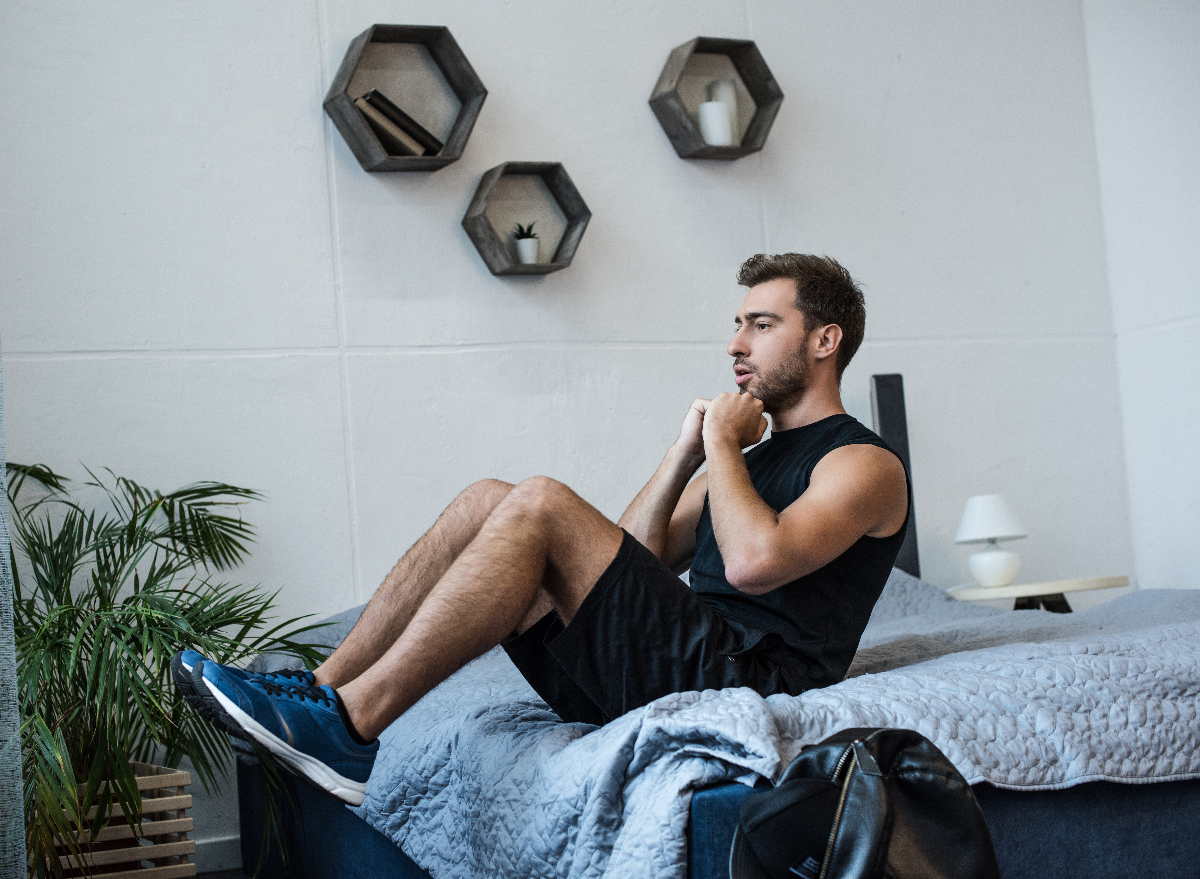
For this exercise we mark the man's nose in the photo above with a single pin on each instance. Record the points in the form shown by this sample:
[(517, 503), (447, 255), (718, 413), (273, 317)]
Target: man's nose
[(737, 345)]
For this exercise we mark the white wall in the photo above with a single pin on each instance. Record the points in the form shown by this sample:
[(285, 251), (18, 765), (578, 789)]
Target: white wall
[(1145, 74), (198, 281)]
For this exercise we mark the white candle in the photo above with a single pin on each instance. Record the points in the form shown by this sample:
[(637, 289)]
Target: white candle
[(715, 123), (725, 91)]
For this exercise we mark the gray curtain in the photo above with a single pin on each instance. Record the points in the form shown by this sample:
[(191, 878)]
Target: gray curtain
[(12, 822)]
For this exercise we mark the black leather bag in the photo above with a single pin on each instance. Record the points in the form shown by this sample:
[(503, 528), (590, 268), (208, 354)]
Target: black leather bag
[(865, 804)]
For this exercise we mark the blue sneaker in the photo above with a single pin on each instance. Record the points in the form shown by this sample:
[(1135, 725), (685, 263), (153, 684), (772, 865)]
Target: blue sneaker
[(182, 664), (301, 726), (184, 661)]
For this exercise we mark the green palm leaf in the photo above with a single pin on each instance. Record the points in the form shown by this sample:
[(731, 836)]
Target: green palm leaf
[(107, 598)]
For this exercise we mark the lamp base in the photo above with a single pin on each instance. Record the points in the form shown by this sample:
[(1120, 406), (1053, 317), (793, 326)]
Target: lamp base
[(994, 567)]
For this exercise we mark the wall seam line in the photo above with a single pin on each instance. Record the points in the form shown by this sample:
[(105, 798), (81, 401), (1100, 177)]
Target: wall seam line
[(1169, 324), (340, 309), (533, 344), (1123, 432)]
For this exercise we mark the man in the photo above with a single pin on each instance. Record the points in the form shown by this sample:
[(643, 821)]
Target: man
[(788, 547)]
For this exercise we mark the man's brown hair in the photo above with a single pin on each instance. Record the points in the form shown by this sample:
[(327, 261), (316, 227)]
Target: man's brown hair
[(825, 294)]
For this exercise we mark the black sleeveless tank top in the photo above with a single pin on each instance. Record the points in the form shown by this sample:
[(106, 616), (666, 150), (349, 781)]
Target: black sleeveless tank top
[(820, 616)]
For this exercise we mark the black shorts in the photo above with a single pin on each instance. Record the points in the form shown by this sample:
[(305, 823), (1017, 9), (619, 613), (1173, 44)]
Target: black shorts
[(641, 633)]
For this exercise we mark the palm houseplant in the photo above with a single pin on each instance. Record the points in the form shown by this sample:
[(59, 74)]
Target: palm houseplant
[(104, 594)]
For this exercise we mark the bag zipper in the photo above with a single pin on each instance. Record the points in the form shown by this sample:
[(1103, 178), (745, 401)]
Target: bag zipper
[(850, 755)]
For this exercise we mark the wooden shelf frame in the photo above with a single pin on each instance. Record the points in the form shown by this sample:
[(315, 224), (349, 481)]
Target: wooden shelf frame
[(454, 66), (673, 115), (494, 249)]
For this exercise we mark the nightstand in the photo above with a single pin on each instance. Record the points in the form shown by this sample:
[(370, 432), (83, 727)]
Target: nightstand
[(1031, 596)]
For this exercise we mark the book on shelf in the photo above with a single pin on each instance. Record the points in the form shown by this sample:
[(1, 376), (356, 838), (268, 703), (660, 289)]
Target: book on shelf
[(395, 140), (402, 120)]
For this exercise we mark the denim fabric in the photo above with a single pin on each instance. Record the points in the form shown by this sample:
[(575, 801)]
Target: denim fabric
[(324, 838), (1097, 829), (1084, 832)]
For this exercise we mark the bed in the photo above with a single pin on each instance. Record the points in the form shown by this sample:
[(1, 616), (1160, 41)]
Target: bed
[(1079, 734)]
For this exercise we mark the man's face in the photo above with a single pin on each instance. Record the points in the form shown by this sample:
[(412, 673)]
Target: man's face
[(770, 347)]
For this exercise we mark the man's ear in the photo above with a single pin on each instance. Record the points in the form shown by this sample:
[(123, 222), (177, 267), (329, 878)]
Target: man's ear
[(829, 337)]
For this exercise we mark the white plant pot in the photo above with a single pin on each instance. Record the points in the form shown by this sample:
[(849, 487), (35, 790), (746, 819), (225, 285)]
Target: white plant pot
[(716, 123), (527, 251), (994, 567)]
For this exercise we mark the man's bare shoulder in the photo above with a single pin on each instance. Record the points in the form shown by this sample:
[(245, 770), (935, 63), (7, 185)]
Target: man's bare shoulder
[(861, 456), (871, 475)]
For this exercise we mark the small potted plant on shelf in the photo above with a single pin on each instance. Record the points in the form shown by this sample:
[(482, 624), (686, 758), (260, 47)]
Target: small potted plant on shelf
[(527, 244), (103, 596)]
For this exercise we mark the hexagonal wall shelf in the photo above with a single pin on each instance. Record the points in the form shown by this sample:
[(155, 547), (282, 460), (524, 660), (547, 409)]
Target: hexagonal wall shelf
[(681, 89), (526, 192), (422, 71)]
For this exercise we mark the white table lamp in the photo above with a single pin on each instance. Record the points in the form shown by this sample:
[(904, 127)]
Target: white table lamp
[(987, 519)]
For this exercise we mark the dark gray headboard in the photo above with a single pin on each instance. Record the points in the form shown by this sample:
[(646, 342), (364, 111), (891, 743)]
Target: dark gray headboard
[(891, 423)]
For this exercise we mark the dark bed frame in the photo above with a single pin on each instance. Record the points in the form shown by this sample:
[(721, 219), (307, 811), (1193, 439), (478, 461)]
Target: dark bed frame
[(1099, 829)]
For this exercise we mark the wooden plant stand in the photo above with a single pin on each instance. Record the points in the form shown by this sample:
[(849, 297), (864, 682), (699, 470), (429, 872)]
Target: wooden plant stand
[(118, 854)]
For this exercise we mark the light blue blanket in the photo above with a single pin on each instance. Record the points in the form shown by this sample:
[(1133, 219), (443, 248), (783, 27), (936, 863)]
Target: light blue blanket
[(480, 779)]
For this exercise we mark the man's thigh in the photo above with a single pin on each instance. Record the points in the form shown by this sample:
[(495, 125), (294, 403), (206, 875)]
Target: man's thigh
[(640, 634)]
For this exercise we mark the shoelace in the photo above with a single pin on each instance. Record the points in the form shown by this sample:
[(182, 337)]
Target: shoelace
[(298, 674), (291, 691)]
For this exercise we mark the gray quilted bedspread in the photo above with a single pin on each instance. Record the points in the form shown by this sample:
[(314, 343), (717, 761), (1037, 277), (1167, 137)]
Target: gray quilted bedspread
[(481, 780)]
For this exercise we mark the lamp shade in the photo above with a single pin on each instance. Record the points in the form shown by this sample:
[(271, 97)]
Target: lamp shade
[(988, 517)]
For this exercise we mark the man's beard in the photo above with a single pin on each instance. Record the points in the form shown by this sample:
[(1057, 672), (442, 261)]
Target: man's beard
[(782, 387)]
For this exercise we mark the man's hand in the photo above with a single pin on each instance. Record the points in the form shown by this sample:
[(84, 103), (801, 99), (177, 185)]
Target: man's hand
[(664, 514), (691, 435), (736, 419)]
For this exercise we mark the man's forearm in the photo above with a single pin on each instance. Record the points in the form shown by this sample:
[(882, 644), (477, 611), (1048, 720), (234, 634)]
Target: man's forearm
[(743, 523), (649, 516)]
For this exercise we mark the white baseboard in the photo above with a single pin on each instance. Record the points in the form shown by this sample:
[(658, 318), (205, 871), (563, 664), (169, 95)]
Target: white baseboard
[(218, 853)]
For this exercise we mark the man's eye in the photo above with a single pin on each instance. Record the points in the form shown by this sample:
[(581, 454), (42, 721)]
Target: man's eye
[(763, 326)]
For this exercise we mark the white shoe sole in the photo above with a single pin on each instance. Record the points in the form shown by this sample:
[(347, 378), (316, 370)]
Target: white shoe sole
[(310, 767)]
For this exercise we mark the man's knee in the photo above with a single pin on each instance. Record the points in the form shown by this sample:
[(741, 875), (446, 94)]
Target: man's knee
[(542, 499), (543, 492), (487, 493)]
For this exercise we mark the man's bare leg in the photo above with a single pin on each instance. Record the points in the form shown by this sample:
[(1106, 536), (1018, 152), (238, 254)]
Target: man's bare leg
[(396, 601), (541, 539)]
